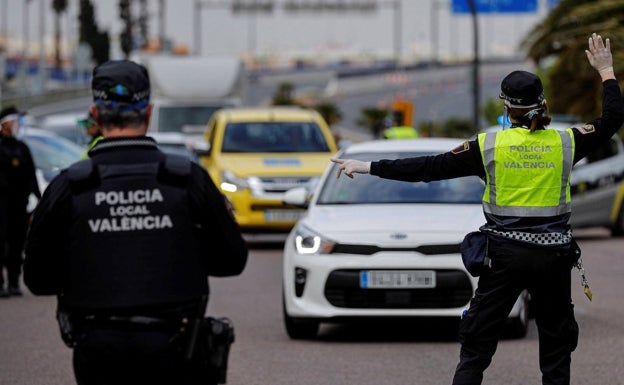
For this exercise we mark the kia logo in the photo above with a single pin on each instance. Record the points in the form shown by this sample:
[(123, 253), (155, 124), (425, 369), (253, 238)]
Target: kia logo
[(398, 235)]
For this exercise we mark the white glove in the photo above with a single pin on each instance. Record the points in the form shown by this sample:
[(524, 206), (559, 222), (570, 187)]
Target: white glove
[(351, 166), (599, 54)]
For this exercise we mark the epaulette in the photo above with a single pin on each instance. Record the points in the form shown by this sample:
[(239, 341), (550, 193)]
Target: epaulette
[(178, 165), (80, 170)]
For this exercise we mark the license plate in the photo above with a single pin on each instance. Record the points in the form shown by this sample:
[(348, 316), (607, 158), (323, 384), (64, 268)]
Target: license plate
[(397, 279), (283, 215)]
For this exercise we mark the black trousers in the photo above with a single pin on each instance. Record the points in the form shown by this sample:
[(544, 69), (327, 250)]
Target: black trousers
[(546, 273), (13, 226), (118, 356)]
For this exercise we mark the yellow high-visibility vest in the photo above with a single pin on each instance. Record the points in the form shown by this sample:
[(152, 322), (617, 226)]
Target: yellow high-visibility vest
[(400, 132), (527, 174)]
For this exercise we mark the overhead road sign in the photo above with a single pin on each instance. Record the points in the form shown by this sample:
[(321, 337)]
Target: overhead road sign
[(496, 6)]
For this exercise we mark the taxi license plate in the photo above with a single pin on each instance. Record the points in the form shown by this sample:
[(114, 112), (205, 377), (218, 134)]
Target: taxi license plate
[(397, 279), (283, 215)]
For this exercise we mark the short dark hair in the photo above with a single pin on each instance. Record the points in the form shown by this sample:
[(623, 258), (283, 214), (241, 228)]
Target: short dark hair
[(114, 118)]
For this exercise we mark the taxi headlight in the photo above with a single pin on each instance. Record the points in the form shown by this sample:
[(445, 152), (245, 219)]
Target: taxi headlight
[(309, 242), (231, 182)]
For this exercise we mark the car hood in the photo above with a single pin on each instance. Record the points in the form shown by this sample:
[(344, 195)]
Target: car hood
[(395, 224), (245, 165)]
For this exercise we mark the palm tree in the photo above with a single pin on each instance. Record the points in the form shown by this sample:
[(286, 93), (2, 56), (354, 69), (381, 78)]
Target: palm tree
[(59, 7), (563, 36)]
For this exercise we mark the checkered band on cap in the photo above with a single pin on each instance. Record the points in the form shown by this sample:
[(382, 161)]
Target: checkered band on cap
[(522, 89), (121, 85)]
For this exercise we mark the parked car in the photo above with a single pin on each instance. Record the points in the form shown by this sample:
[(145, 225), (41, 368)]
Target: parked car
[(597, 185), (51, 153), (368, 247), (597, 188), (255, 154)]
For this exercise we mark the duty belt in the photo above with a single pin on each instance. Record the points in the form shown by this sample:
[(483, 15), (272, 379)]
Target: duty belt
[(138, 322), (535, 238)]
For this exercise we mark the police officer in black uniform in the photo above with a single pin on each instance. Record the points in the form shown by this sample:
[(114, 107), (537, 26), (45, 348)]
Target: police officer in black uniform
[(527, 207), (126, 240), (17, 181)]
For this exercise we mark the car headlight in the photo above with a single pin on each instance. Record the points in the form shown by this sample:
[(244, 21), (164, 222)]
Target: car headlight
[(309, 242), (232, 183)]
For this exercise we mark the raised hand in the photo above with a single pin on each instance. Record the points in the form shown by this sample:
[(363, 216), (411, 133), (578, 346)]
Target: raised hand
[(599, 54)]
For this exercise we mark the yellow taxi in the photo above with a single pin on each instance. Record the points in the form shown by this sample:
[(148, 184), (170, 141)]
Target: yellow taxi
[(254, 155)]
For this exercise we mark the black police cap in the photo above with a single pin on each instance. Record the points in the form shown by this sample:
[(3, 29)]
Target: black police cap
[(522, 89), (121, 84)]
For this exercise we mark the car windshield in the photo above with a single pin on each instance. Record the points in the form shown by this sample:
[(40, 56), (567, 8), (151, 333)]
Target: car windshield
[(253, 137), (187, 119), (71, 131), (374, 190), (52, 154)]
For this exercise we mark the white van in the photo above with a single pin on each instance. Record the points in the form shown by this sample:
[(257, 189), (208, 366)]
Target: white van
[(187, 90)]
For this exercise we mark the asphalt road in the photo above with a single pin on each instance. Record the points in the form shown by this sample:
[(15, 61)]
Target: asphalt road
[(418, 353)]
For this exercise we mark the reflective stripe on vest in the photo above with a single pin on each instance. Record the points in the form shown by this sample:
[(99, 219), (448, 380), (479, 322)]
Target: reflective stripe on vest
[(528, 174)]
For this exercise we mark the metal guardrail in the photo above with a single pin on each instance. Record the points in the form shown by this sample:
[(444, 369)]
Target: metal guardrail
[(27, 102)]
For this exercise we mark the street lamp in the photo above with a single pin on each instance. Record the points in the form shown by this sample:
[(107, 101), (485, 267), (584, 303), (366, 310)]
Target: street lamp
[(398, 28), (434, 23), (475, 65), (397, 31)]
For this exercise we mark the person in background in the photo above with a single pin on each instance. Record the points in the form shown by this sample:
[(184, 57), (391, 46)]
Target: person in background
[(17, 181), (397, 130), (527, 206), (93, 130), (126, 240)]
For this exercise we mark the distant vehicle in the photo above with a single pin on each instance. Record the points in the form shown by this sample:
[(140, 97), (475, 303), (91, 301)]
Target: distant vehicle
[(597, 188), (186, 91), (371, 248), (51, 153), (66, 125), (174, 143), (597, 185), (255, 154)]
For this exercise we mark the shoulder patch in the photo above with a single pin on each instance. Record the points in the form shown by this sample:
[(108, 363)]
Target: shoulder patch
[(586, 129), (461, 148)]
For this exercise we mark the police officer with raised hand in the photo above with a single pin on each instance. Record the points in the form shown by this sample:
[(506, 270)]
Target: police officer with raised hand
[(126, 240), (527, 208)]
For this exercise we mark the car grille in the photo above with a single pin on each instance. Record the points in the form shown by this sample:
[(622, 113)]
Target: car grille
[(372, 249), (282, 184), (453, 289)]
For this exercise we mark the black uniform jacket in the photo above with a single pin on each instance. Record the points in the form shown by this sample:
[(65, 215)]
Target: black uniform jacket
[(48, 241), (466, 160), (17, 172)]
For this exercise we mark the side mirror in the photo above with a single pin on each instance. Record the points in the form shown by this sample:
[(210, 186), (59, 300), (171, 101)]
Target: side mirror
[(297, 196), (201, 148)]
